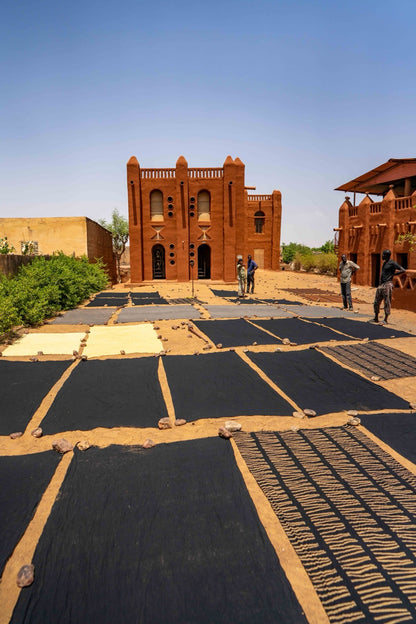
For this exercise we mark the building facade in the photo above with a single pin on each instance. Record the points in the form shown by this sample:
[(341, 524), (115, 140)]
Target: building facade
[(78, 236), (191, 223), (370, 226)]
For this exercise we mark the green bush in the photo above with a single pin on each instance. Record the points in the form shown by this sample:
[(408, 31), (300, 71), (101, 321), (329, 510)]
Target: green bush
[(308, 261), (327, 263), (8, 315), (291, 251), (46, 286), (320, 262)]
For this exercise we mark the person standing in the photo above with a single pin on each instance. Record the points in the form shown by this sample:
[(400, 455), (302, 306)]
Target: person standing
[(384, 292), (346, 269), (251, 268), (241, 277)]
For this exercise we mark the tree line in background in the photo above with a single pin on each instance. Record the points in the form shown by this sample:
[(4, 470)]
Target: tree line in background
[(321, 259)]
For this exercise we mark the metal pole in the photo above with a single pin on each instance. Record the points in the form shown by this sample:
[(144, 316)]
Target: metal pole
[(191, 264)]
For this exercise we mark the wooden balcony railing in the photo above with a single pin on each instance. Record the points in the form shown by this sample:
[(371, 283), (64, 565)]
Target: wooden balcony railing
[(403, 202), (375, 207), (405, 281)]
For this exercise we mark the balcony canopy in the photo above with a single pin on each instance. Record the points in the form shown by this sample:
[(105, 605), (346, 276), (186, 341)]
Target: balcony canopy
[(377, 181)]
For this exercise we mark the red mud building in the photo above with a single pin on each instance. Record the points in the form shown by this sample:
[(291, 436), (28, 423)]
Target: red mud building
[(367, 228), (188, 222)]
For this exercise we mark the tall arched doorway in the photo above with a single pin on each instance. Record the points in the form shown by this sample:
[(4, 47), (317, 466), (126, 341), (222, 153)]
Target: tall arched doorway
[(158, 262), (204, 262)]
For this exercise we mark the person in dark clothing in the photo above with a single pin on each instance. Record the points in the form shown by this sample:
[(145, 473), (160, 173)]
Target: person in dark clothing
[(251, 268), (389, 269)]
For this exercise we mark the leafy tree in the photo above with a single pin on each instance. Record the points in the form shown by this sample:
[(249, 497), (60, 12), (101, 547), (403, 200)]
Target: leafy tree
[(327, 247), (119, 228), (290, 250), (407, 238), (5, 247), (28, 248)]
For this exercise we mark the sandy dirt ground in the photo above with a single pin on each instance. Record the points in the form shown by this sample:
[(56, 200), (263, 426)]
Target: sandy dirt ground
[(178, 339)]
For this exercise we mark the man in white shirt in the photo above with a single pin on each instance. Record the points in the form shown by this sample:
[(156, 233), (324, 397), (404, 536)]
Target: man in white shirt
[(346, 269)]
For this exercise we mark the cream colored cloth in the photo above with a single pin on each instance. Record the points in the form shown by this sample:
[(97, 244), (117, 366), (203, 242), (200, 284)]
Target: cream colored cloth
[(111, 340)]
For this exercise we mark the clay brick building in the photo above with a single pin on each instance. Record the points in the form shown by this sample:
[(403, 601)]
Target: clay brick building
[(79, 236), (188, 222), (373, 225)]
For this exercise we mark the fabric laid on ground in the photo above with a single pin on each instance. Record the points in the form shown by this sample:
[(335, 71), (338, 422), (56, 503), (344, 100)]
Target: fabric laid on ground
[(114, 302), (349, 510), (316, 382), (234, 333), (148, 301), (185, 300), (47, 343), (246, 301), (396, 430), (157, 313), (241, 310), (299, 331), (316, 294), (112, 293), (166, 535), (219, 385), (108, 393), (84, 316), (224, 293), (310, 311), (283, 302), (373, 358), (145, 295), (23, 386), (131, 339), (23, 481), (361, 330)]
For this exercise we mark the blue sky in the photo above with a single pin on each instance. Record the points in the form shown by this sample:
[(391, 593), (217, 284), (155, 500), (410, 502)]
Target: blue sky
[(308, 93)]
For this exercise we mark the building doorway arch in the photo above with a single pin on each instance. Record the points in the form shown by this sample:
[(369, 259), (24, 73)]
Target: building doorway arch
[(158, 262), (204, 262)]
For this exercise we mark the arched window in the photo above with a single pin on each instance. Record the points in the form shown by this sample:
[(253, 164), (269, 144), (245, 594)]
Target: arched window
[(156, 206), (259, 222), (204, 206)]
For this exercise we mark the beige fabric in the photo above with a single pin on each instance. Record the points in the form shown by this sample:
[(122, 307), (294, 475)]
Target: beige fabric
[(48, 343), (131, 339)]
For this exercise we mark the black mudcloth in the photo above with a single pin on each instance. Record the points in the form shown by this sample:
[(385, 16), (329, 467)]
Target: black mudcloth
[(166, 535), (148, 300), (349, 510), (224, 293), (374, 358), (108, 393), (396, 430), (299, 331), (219, 385), (360, 329), (247, 300), (315, 382), (23, 481), (145, 295), (234, 333), (116, 294), (283, 301), (100, 302), (23, 385)]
